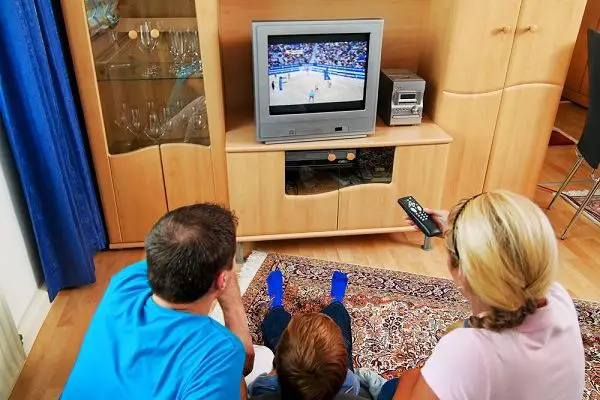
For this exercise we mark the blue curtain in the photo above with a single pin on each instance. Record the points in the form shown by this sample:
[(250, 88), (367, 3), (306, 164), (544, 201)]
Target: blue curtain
[(44, 133)]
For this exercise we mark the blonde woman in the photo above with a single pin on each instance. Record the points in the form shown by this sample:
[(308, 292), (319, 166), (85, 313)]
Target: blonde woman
[(522, 340)]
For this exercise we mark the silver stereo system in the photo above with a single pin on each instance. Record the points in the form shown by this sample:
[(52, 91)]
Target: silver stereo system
[(400, 97)]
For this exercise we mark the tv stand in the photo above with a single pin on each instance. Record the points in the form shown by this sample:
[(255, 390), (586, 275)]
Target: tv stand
[(274, 201)]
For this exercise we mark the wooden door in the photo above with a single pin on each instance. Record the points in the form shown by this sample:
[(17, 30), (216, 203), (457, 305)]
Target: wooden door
[(471, 121), (478, 43), (257, 195), (139, 191), (416, 172), (188, 173), (525, 121), (544, 41)]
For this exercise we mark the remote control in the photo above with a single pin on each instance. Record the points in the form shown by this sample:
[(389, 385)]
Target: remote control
[(415, 212)]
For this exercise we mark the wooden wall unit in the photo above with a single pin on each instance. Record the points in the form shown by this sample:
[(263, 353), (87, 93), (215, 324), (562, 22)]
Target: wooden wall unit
[(138, 186), (493, 70), (577, 85), (257, 185)]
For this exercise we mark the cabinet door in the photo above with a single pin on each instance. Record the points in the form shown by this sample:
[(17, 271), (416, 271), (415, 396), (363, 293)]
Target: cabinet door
[(188, 174), (257, 194), (544, 41), (479, 44), (525, 121), (416, 172), (471, 121), (139, 191)]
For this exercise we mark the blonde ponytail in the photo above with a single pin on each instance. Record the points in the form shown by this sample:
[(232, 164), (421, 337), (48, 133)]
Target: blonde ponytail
[(505, 247)]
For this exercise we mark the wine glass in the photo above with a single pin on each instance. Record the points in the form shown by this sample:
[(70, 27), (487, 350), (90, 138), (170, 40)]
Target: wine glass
[(197, 126), (153, 129), (166, 121), (177, 50), (193, 51), (147, 44), (122, 122), (112, 18), (135, 125)]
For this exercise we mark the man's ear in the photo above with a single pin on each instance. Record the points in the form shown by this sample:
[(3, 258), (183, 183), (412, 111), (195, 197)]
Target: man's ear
[(222, 280)]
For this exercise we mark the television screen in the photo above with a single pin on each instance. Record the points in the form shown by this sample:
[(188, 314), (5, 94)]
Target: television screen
[(317, 73)]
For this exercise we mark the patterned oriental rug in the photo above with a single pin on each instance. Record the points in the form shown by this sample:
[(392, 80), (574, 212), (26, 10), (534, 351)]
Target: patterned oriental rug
[(576, 198), (397, 317)]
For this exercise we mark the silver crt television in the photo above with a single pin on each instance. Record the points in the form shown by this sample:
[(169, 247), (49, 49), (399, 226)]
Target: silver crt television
[(315, 80)]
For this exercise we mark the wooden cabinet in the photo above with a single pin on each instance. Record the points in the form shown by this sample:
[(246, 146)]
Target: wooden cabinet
[(259, 199), (471, 121), (577, 85), (493, 69), (521, 137), (138, 183), (149, 78), (482, 33), (374, 206), (544, 41), (188, 174), (274, 201)]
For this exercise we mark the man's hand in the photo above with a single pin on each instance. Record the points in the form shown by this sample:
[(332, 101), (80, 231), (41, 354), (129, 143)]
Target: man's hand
[(235, 318)]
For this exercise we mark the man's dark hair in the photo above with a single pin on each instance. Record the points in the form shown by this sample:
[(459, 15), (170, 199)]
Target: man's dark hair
[(187, 248)]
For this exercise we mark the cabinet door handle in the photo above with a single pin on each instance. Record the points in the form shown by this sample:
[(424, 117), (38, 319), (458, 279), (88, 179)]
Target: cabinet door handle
[(533, 28), (132, 34), (505, 29)]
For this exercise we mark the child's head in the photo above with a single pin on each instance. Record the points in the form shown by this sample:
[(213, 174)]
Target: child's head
[(311, 358)]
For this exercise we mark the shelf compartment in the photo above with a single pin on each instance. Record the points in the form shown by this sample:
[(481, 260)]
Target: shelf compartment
[(125, 61), (311, 172)]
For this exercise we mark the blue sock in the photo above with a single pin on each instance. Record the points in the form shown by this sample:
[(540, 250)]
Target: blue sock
[(275, 288), (339, 282)]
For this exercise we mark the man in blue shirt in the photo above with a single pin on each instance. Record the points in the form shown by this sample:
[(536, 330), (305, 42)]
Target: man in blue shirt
[(151, 336)]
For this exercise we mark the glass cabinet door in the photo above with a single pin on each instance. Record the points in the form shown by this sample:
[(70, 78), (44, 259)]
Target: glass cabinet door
[(149, 70)]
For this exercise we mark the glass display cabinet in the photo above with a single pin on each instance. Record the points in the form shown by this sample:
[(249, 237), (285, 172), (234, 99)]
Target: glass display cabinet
[(149, 78)]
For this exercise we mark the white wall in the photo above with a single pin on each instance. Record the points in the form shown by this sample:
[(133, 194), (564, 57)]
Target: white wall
[(19, 266)]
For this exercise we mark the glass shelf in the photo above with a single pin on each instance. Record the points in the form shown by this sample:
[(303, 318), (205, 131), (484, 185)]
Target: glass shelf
[(149, 73), (370, 165), (125, 61)]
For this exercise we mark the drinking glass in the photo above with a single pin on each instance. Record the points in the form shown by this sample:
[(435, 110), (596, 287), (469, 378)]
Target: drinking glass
[(193, 51), (166, 121), (153, 129), (197, 125), (147, 44), (112, 17), (177, 49), (122, 122), (135, 125)]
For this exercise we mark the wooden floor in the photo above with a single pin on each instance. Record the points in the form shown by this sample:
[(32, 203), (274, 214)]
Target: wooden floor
[(570, 118), (54, 352)]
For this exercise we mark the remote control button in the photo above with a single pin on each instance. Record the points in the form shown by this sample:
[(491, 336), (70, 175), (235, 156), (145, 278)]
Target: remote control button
[(419, 208)]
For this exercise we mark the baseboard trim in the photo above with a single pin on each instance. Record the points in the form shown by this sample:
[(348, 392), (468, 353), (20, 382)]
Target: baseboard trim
[(34, 318)]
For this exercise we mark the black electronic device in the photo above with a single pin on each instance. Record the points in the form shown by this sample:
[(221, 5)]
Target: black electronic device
[(421, 219)]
